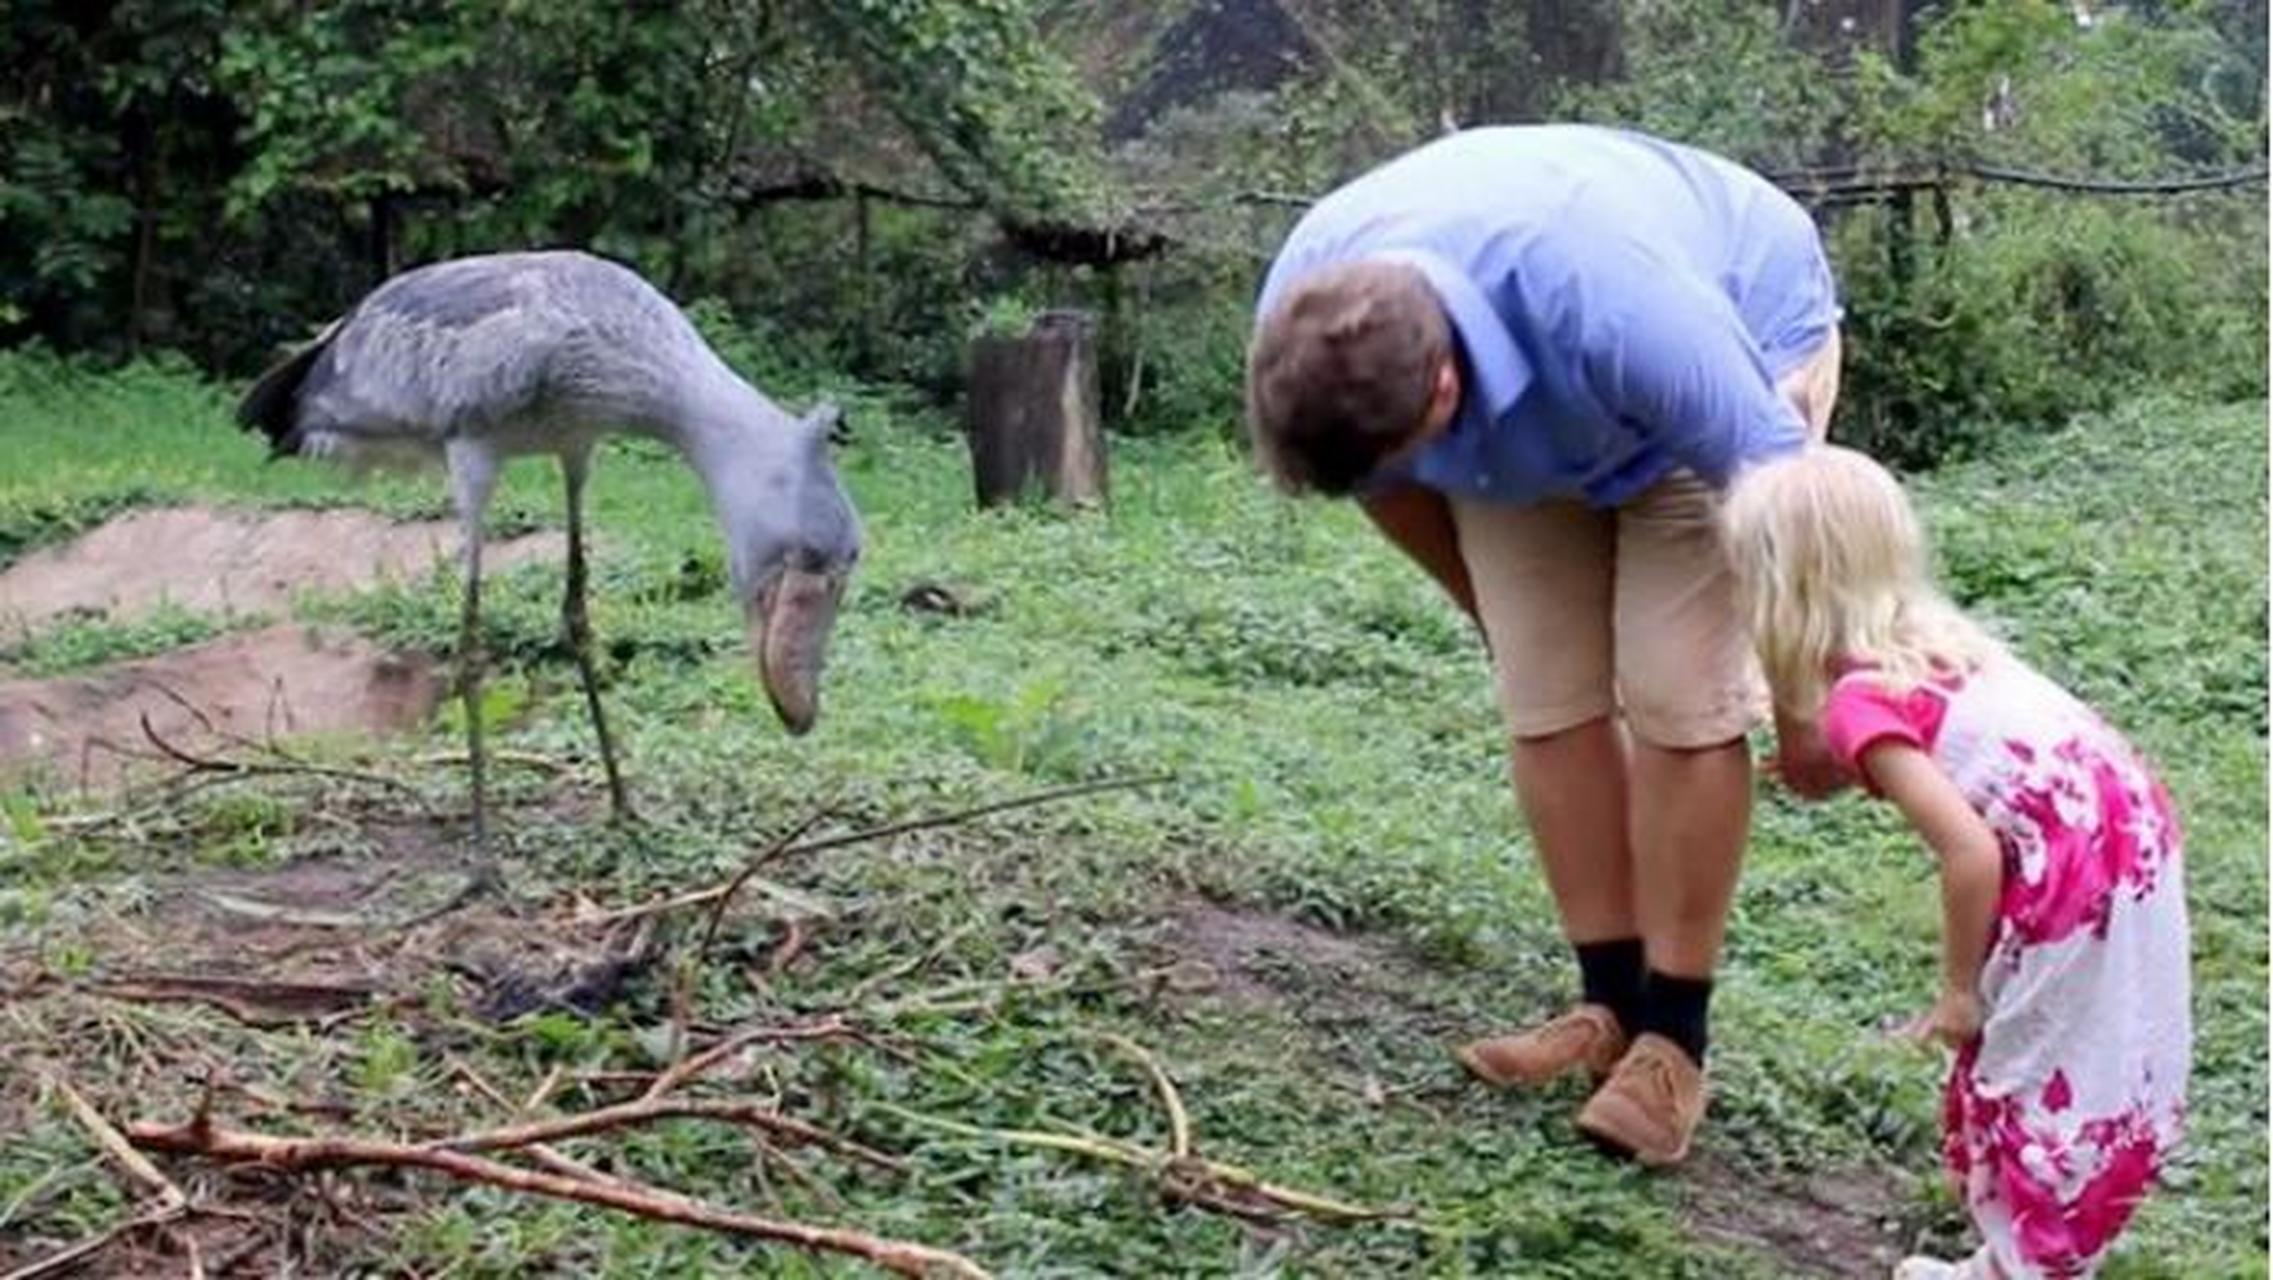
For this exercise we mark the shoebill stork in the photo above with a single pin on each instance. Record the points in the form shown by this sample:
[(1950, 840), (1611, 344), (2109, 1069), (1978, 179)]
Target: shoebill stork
[(471, 362)]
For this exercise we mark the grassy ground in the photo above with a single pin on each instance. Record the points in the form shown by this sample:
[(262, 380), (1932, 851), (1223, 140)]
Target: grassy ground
[(1329, 891)]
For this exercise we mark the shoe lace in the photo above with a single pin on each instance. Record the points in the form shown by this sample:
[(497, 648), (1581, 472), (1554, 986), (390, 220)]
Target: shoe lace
[(1654, 1074), (1572, 1026)]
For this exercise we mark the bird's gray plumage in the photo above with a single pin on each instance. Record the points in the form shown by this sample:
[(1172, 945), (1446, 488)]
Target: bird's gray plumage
[(473, 361), (518, 347)]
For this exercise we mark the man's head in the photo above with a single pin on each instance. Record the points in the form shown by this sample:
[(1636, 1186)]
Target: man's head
[(1351, 370)]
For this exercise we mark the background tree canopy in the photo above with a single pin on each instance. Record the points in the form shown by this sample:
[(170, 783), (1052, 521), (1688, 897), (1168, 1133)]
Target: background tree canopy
[(861, 184)]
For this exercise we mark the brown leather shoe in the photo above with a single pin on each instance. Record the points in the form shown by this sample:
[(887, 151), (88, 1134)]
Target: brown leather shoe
[(1588, 1036), (1651, 1104)]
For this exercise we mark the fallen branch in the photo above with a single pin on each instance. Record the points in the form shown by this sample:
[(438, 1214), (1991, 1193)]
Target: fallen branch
[(493, 755), (742, 877), (69, 1257), (648, 1110), (254, 1002), (285, 766), (171, 1206), (544, 1157), (1179, 1121), (299, 1154), (682, 987), (1209, 1183), (694, 1065), (115, 1145)]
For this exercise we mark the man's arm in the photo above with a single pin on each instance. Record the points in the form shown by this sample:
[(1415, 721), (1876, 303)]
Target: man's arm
[(1419, 522)]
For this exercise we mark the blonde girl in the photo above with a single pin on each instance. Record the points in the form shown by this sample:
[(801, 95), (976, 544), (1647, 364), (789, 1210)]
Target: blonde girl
[(2064, 942)]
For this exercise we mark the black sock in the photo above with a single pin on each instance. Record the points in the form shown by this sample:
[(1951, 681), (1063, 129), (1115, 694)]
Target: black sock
[(1610, 974), (1675, 1008)]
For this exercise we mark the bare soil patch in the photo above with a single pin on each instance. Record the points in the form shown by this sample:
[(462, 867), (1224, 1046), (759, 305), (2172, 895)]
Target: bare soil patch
[(215, 561), (318, 940), (1843, 1222), (280, 681), (1324, 978)]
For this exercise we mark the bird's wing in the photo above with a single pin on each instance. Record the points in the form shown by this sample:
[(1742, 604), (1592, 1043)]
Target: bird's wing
[(272, 405), (442, 349)]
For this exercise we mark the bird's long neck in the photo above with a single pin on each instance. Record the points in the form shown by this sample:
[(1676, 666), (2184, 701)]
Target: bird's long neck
[(741, 444)]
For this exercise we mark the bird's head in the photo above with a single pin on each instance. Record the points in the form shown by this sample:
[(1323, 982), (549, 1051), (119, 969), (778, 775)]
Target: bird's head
[(791, 557)]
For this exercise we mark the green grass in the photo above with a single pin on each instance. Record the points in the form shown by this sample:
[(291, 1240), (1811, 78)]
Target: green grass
[(1336, 760)]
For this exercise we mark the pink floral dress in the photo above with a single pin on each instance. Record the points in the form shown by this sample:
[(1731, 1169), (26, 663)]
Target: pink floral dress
[(2059, 1115)]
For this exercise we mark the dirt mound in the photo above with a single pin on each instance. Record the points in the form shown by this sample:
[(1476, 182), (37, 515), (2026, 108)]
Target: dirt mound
[(225, 561), (276, 682)]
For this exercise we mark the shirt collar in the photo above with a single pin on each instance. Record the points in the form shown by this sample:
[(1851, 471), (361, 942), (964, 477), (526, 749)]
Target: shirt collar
[(1497, 371)]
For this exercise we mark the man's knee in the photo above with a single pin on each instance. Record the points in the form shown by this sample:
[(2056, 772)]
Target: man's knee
[(1691, 716)]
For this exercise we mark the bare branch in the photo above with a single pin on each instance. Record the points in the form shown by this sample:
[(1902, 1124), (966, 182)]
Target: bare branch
[(70, 1256), (1179, 1121), (116, 1146), (649, 1110), (694, 1065), (298, 1154)]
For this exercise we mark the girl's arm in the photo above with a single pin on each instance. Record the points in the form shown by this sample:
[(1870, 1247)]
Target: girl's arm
[(1972, 868)]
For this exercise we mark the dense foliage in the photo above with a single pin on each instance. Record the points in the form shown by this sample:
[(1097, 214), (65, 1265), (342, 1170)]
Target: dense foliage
[(218, 176)]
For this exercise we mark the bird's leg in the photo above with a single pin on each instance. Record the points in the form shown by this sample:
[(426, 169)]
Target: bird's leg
[(469, 684), (577, 623), (473, 475)]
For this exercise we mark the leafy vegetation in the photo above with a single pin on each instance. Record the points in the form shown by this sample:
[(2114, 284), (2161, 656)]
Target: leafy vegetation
[(216, 178), (1329, 887), (1337, 843)]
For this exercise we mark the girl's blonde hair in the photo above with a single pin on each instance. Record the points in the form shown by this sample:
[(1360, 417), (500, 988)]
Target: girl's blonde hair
[(1831, 568)]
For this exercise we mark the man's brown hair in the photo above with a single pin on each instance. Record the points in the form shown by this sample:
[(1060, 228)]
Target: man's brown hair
[(1340, 373)]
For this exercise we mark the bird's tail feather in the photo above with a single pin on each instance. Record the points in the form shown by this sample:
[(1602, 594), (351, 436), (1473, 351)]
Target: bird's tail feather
[(272, 405)]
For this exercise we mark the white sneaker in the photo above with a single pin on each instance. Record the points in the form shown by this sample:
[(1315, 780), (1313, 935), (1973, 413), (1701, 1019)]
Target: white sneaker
[(1921, 1267)]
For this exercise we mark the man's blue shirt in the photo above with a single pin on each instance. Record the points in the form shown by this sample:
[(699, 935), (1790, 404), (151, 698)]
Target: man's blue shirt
[(1623, 305)]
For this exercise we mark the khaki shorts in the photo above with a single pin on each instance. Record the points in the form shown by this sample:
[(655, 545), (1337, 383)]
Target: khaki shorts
[(1594, 611)]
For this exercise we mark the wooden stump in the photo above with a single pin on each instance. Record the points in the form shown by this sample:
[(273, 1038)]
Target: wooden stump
[(1034, 420)]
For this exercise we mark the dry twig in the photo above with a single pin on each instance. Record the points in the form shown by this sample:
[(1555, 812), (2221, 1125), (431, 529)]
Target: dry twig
[(697, 897), (254, 1002), (544, 1157), (282, 766), (694, 1065), (1179, 1121), (648, 1110), (294, 1154), (751, 868), (71, 1256), (1210, 1183), (117, 1147), (171, 1206)]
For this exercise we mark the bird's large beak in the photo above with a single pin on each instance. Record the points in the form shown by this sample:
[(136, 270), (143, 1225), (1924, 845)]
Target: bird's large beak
[(789, 633)]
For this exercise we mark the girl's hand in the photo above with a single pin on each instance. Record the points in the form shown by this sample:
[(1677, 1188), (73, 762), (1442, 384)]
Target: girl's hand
[(1954, 1020)]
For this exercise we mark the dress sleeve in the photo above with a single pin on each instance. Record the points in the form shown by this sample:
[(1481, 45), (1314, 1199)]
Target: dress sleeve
[(1860, 713)]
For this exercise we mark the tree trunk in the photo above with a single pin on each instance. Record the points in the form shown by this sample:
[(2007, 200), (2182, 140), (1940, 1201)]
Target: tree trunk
[(382, 247), (1034, 413), (863, 291), (142, 141)]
